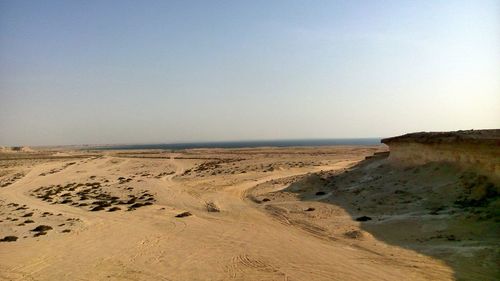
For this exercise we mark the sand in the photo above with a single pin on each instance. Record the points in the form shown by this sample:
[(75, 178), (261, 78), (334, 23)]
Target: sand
[(207, 214)]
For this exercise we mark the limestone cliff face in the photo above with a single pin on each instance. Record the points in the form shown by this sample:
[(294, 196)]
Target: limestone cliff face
[(477, 150)]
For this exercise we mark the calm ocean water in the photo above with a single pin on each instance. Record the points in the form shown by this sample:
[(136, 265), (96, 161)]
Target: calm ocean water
[(242, 144)]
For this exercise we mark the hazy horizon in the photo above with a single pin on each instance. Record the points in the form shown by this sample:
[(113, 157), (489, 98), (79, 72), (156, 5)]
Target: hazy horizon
[(126, 72)]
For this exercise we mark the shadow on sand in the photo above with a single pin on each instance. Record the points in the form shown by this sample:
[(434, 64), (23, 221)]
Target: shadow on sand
[(434, 209)]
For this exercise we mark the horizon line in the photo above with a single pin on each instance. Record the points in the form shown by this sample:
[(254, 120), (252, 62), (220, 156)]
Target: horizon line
[(195, 142)]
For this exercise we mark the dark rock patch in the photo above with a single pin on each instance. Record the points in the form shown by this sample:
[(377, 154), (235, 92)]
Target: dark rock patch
[(97, 208), (9, 238), (136, 205), (42, 228), (183, 214), (102, 203), (363, 218)]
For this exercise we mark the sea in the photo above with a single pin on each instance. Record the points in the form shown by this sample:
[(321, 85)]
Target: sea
[(247, 144)]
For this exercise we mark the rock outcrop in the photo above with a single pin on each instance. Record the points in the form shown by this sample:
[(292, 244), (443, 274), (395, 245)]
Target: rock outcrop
[(477, 150), (15, 149)]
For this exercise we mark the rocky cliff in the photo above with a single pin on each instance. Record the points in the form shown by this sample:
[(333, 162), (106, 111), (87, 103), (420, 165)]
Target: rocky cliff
[(477, 150)]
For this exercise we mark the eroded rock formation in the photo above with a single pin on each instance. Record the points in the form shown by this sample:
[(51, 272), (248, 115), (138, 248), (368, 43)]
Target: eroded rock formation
[(477, 150)]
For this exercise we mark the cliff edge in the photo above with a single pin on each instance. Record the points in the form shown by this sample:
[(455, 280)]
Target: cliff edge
[(477, 150)]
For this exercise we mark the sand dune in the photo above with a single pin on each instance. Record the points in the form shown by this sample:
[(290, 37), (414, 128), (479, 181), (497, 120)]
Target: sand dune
[(204, 214)]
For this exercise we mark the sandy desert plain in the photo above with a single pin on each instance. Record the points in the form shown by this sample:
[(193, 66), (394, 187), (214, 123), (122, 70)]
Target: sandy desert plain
[(298, 213)]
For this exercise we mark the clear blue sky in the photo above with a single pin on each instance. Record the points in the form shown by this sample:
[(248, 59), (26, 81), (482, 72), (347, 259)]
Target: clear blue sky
[(75, 72)]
